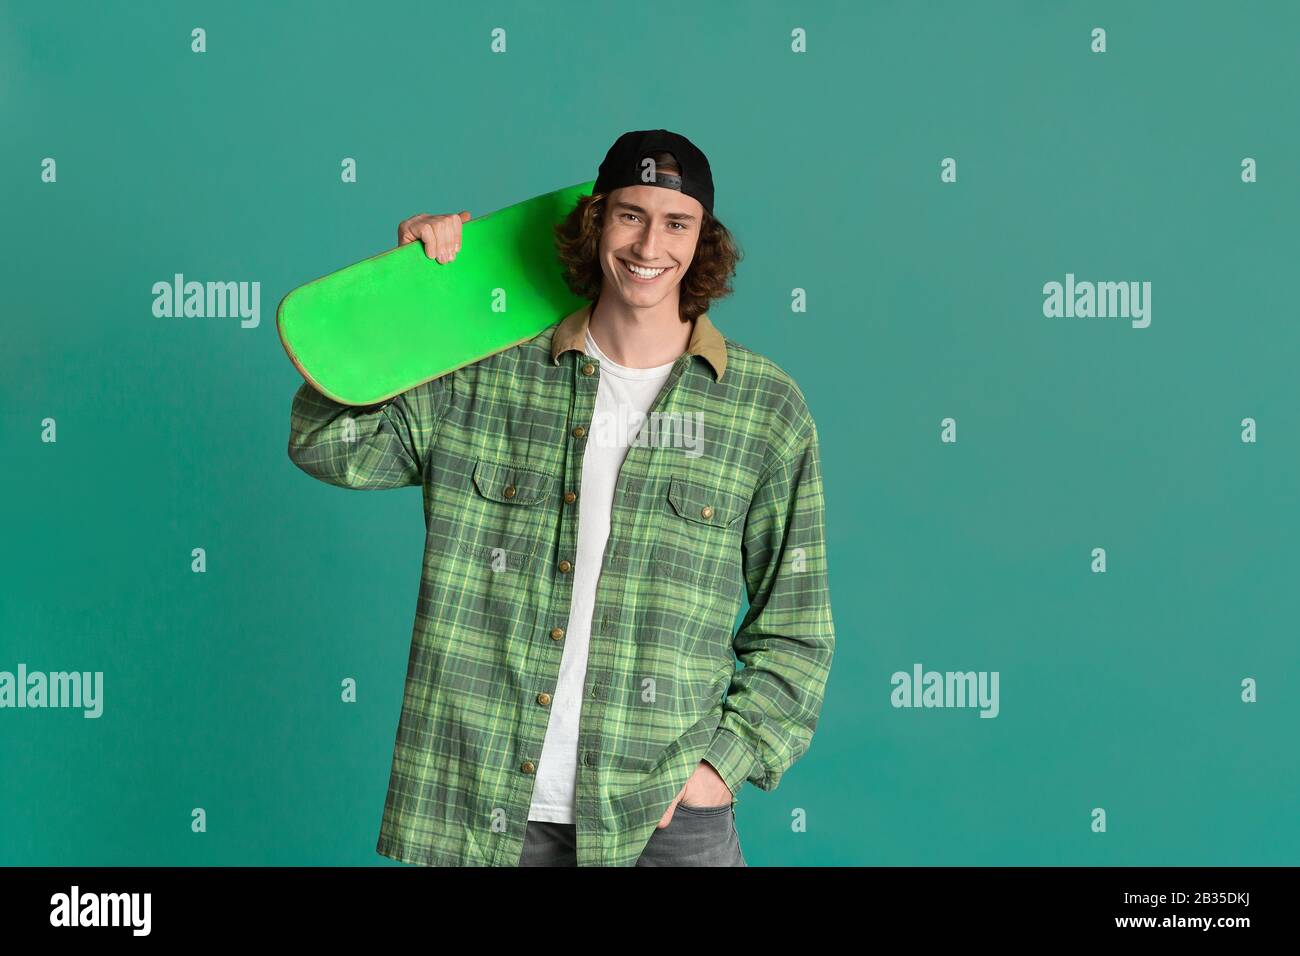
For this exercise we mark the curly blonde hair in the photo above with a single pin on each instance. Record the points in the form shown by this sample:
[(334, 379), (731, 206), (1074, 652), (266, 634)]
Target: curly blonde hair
[(577, 242)]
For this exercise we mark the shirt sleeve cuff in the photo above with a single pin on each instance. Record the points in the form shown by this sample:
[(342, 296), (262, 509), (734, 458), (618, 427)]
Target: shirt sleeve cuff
[(732, 758)]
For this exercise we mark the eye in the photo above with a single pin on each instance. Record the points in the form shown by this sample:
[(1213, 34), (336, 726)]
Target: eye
[(629, 215), (682, 224)]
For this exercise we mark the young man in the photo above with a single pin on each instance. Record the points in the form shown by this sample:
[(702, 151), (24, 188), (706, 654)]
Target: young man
[(595, 499)]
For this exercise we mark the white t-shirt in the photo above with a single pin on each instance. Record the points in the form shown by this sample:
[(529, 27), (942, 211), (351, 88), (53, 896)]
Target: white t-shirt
[(623, 399)]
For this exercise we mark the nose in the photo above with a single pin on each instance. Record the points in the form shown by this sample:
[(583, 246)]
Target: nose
[(647, 246)]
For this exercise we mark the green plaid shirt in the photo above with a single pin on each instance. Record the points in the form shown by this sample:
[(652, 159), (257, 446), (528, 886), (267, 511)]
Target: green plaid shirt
[(724, 492)]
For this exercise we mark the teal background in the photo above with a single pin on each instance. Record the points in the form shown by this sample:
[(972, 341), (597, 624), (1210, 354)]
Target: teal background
[(1118, 690)]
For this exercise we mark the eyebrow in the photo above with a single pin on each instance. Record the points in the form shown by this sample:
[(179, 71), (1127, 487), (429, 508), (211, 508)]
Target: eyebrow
[(671, 215)]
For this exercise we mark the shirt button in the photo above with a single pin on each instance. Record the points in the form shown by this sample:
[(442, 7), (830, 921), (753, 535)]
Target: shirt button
[(557, 633), (579, 432), (588, 369), (570, 497), (543, 698), (527, 766), (510, 491), (706, 511), (565, 567)]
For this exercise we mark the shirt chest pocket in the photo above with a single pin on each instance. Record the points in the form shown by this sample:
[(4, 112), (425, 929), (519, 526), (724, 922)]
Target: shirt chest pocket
[(505, 513), (699, 533)]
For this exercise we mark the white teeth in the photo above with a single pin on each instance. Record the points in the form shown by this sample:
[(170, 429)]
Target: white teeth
[(643, 273)]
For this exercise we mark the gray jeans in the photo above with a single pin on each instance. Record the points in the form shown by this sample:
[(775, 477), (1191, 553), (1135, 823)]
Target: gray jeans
[(695, 836)]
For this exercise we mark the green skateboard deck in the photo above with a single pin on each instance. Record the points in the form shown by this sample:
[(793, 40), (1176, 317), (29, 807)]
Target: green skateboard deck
[(386, 324)]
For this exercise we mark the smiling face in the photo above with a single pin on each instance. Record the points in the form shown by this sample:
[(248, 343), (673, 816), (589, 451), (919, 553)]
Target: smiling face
[(647, 242)]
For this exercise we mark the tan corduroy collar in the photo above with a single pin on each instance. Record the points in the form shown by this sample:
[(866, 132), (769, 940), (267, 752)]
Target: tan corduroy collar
[(706, 341)]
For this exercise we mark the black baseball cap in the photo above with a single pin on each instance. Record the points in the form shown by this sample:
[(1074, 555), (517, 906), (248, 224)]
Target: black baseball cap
[(623, 165)]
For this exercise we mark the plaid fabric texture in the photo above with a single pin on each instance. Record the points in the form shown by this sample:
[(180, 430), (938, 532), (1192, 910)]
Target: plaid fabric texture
[(721, 490)]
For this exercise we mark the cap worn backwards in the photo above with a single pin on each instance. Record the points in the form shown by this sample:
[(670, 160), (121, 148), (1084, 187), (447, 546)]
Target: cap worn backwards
[(625, 165)]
